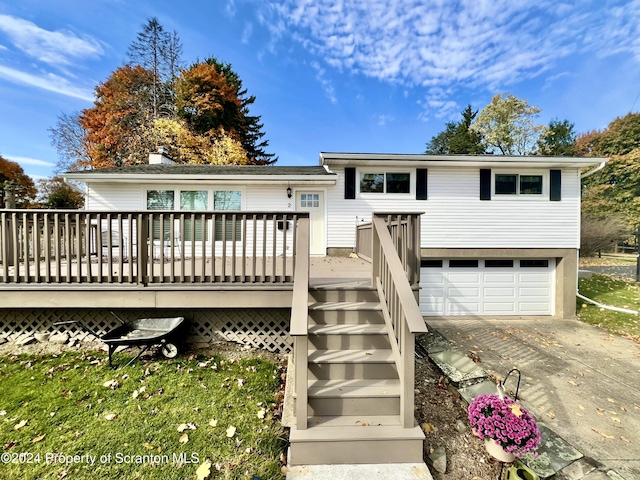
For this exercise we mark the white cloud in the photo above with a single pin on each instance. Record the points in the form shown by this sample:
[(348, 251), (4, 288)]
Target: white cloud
[(246, 33), (48, 81), (465, 43), (29, 161), (57, 48), (327, 86), (384, 119)]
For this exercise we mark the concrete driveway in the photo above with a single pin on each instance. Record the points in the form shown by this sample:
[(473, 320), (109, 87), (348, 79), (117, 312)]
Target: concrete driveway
[(578, 380)]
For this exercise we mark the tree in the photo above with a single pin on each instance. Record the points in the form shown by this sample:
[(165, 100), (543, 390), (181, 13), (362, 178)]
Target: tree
[(69, 139), (614, 190), (558, 140), (117, 123), (508, 127), (249, 126), (12, 177), (187, 147), (458, 138), (158, 51), (55, 193), (601, 233)]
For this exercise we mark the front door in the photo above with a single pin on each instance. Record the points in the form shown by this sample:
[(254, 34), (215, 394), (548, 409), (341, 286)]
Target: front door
[(313, 202)]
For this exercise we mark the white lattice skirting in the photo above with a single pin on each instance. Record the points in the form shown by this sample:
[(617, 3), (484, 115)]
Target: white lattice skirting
[(262, 328)]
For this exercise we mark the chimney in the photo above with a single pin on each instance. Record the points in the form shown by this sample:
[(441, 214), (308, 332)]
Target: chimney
[(160, 158)]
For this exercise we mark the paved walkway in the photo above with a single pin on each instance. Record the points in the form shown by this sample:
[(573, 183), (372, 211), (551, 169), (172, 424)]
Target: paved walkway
[(581, 382)]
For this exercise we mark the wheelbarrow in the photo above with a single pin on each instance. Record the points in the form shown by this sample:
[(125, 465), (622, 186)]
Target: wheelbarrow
[(142, 332)]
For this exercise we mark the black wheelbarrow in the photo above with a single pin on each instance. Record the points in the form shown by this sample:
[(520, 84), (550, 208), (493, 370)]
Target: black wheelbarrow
[(142, 332)]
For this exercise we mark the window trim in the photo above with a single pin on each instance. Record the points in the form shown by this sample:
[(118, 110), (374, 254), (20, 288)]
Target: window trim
[(384, 171)]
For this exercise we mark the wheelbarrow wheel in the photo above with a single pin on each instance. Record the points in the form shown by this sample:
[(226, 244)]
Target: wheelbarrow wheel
[(169, 350)]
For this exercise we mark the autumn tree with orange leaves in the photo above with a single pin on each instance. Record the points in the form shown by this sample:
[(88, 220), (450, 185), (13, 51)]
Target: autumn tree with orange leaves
[(200, 116), (12, 176)]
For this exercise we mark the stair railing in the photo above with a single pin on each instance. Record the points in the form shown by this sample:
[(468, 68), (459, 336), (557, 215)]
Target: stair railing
[(396, 261), (299, 321)]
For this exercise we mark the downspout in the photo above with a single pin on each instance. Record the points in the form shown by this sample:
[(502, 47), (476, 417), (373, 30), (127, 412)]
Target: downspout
[(578, 294)]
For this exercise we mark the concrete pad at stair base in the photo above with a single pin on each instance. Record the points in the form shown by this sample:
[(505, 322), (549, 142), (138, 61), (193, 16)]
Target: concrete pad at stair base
[(396, 471), (460, 369), (554, 454), (599, 475), (485, 387), (434, 342)]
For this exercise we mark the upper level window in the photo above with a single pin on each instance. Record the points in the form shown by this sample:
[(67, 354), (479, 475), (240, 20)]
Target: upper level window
[(385, 182), (515, 184)]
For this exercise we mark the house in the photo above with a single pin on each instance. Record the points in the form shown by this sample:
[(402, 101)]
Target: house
[(230, 248), (500, 234)]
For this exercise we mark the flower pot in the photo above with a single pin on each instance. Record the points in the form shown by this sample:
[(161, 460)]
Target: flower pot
[(497, 452)]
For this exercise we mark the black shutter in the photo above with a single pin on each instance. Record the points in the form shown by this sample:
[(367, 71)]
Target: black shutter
[(485, 184), (555, 186), (349, 183), (421, 184)]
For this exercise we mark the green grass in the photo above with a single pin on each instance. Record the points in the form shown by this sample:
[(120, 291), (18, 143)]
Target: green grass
[(64, 399), (614, 292)]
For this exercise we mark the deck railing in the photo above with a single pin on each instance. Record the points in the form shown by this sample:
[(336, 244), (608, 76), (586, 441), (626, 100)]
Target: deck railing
[(395, 262), (53, 246), (363, 240), (299, 322)]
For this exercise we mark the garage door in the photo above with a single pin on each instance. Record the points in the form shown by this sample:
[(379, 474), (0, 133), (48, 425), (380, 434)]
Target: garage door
[(487, 287)]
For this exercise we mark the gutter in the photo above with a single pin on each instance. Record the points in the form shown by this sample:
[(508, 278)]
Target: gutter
[(591, 172)]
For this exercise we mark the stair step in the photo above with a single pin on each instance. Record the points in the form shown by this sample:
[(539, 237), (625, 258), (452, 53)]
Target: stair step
[(351, 356), (354, 421), (354, 388), (345, 294), (355, 444), (345, 306), (348, 329)]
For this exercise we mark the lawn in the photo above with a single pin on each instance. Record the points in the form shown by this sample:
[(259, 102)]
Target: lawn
[(71, 416), (610, 291)]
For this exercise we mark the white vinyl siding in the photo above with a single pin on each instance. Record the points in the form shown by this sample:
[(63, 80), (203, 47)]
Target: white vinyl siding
[(125, 197), (455, 217)]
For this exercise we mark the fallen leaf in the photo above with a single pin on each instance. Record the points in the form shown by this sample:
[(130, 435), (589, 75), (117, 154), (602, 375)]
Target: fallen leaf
[(213, 422), (427, 427), (611, 400), (575, 384), (204, 470), (617, 420), (551, 415), (3, 413), (135, 394), (184, 438), (240, 382), (581, 407), (112, 384), (261, 413), (182, 427), (231, 431), (20, 425), (625, 439), (148, 446), (603, 434), (110, 416), (37, 439), (8, 446)]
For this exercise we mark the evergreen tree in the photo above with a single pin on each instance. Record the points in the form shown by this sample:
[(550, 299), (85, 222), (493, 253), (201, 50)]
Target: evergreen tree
[(458, 138)]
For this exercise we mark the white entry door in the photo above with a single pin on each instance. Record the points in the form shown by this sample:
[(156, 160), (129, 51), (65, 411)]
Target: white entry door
[(313, 202)]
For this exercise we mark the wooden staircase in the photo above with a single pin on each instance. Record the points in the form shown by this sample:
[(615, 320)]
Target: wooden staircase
[(354, 389)]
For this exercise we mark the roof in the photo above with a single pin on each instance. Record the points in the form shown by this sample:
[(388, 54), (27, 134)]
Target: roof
[(401, 159), (243, 173)]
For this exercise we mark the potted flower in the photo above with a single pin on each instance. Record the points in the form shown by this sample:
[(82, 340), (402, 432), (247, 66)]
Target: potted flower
[(503, 424)]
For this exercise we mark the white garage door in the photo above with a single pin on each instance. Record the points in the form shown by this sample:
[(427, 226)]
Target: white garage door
[(487, 287)]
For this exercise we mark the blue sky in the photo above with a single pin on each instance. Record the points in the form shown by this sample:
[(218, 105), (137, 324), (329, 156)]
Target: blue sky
[(331, 75)]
